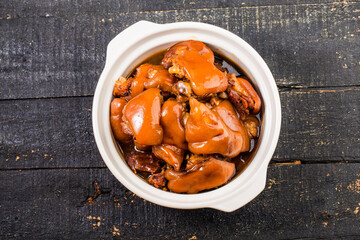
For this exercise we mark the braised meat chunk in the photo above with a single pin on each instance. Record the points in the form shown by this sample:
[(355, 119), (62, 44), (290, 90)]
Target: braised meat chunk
[(142, 116), (145, 162), (193, 160), (190, 45), (252, 125), (207, 133), (116, 108), (194, 61), (182, 91), (170, 154), (157, 180), (209, 174), (171, 115), (122, 87), (227, 113), (183, 122), (243, 96), (151, 76)]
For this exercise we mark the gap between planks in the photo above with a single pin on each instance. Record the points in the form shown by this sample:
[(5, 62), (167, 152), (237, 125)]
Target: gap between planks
[(301, 88), (8, 17), (281, 88), (272, 163)]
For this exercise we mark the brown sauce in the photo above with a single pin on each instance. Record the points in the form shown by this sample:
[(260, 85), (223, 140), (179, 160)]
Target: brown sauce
[(243, 159)]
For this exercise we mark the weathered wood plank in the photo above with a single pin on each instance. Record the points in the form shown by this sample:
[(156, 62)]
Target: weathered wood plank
[(10, 9), (320, 124), (317, 125), (48, 133), (304, 46), (300, 201)]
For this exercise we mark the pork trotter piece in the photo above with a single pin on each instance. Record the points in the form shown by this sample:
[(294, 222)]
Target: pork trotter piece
[(122, 87), (207, 133), (227, 113), (142, 117), (209, 174), (190, 45), (145, 162), (151, 76), (252, 125), (157, 179), (243, 96), (116, 107), (194, 61), (172, 155), (171, 115)]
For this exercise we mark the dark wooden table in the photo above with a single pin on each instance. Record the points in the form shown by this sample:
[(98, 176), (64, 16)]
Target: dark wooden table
[(53, 182)]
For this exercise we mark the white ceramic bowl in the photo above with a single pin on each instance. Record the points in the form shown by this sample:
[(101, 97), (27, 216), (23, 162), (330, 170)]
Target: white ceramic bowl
[(143, 39)]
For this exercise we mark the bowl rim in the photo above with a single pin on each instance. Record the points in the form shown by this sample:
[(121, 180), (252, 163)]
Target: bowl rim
[(252, 180)]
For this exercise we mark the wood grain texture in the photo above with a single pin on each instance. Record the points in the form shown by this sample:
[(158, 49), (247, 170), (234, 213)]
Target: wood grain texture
[(317, 125), (299, 201), (48, 133), (53, 182), (55, 56), (10, 9), (320, 124)]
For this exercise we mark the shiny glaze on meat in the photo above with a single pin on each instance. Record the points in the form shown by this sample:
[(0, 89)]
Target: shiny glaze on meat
[(165, 119), (142, 115), (206, 175), (194, 61), (170, 154), (171, 115), (151, 76), (243, 96), (207, 133), (116, 108), (227, 113)]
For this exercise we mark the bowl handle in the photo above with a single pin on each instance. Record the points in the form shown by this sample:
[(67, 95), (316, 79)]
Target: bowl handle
[(253, 188), (136, 30)]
